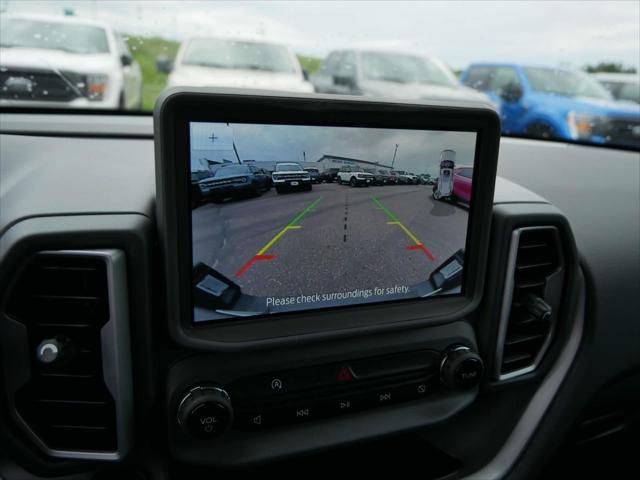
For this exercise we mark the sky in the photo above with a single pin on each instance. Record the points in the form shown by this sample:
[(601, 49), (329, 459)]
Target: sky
[(561, 33), (418, 151)]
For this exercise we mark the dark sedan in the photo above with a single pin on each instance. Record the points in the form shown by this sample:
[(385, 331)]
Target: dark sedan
[(231, 181)]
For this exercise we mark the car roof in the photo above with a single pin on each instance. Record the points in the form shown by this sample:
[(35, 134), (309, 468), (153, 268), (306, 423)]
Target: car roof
[(243, 39), (519, 65), (387, 50), (70, 20)]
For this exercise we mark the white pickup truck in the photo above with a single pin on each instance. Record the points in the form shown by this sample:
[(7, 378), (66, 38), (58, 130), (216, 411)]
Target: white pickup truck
[(78, 63), (354, 176), (290, 176)]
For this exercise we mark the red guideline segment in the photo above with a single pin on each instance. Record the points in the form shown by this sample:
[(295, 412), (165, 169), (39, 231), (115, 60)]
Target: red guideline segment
[(424, 249), (251, 261)]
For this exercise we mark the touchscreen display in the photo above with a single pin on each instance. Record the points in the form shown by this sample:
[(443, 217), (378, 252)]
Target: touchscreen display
[(288, 218)]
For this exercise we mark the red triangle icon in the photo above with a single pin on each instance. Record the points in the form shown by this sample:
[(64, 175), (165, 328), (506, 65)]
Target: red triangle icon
[(344, 375)]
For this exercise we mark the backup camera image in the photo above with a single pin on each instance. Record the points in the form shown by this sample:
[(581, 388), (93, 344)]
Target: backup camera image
[(290, 218)]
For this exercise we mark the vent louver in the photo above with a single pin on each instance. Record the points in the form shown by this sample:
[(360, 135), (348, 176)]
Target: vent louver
[(531, 300), (76, 397)]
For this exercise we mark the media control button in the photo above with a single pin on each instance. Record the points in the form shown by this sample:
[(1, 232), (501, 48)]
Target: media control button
[(277, 384), (414, 390), (346, 403), (381, 397), (257, 419), (302, 412)]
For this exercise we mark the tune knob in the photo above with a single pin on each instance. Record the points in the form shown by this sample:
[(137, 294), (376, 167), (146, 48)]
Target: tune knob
[(205, 411), (460, 368)]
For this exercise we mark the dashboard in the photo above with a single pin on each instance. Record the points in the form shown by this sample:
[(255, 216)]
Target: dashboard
[(488, 391)]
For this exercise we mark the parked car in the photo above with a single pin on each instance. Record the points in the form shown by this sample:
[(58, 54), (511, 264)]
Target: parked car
[(78, 64), (461, 185), (314, 173), (231, 181), (401, 176), (290, 176), (330, 175), (425, 179), (413, 178), (198, 175), (623, 86), (389, 179), (354, 176), (406, 178), (546, 102), (378, 178), (224, 62), (195, 192), (391, 74), (394, 178)]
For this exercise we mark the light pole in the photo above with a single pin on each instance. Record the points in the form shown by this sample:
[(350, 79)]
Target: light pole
[(394, 156)]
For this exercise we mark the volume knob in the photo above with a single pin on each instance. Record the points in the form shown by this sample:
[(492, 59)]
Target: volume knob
[(205, 411)]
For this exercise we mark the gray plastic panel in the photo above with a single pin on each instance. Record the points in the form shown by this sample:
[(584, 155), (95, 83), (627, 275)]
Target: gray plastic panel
[(241, 448)]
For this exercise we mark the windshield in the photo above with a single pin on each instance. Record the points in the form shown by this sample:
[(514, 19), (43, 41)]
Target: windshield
[(53, 36), (565, 83), (288, 166), (629, 91), (233, 54), (229, 170), (99, 56), (396, 68)]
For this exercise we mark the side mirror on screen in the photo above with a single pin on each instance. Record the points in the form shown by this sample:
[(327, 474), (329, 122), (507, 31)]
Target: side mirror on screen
[(213, 290)]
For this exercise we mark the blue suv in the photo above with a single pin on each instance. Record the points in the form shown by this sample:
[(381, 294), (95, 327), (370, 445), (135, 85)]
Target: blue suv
[(555, 103)]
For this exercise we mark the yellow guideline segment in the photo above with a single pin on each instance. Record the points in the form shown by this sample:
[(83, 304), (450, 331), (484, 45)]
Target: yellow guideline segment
[(276, 238)]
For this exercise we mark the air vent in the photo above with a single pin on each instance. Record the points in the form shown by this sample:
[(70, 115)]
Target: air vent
[(532, 292), (73, 400)]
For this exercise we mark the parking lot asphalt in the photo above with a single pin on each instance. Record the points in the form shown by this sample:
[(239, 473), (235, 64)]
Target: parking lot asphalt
[(334, 238)]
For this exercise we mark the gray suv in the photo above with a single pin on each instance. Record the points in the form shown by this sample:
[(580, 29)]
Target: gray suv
[(390, 74)]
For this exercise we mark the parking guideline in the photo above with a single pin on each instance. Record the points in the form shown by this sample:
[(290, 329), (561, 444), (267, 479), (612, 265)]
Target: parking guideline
[(292, 225), (418, 245)]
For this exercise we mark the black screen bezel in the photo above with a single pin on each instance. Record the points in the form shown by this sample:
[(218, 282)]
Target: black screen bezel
[(174, 111)]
